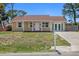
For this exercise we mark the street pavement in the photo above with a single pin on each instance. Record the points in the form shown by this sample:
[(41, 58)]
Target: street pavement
[(42, 54)]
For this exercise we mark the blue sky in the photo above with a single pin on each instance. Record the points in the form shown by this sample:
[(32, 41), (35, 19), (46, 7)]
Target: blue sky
[(52, 9)]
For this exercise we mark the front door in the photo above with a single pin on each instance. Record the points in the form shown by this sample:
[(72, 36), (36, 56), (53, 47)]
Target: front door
[(56, 27), (36, 27)]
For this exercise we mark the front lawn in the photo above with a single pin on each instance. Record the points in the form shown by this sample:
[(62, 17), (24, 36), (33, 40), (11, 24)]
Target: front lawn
[(28, 41)]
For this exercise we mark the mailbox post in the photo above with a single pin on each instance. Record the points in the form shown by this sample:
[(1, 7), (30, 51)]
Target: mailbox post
[(55, 42), (54, 35)]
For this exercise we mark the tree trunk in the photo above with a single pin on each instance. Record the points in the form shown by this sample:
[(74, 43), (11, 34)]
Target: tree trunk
[(74, 17), (2, 23), (74, 14), (12, 5)]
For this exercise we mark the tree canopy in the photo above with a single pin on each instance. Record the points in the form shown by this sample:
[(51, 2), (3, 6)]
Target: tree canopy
[(9, 14), (16, 13), (71, 10)]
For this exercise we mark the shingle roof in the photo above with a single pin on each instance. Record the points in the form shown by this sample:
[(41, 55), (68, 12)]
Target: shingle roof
[(39, 18)]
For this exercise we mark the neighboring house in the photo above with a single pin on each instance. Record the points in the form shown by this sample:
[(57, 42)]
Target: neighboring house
[(38, 23)]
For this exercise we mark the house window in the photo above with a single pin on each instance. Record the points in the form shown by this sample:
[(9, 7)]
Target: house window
[(59, 26), (31, 24), (19, 24), (45, 24), (55, 26)]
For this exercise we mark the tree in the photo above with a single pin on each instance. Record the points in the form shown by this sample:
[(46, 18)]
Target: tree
[(3, 15), (21, 13), (15, 13), (10, 14), (71, 10), (12, 7)]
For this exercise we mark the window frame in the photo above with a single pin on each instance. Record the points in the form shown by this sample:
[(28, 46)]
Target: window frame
[(31, 24), (19, 24), (59, 27), (56, 27), (45, 24)]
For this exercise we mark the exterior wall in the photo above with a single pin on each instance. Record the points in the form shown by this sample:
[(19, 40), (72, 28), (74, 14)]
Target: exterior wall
[(14, 28), (46, 29), (62, 26), (50, 26), (26, 26), (33, 26)]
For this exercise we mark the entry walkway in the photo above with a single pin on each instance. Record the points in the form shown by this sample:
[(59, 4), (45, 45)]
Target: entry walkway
[(71, 37)]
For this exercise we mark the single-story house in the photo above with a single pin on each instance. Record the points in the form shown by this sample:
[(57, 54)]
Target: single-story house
[(38, 23)]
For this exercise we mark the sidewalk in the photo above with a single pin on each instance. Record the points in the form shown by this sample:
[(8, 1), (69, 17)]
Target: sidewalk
[(63, 48), (42, 54), (31, 54)]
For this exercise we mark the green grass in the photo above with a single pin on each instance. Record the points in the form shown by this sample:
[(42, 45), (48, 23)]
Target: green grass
[(61, 42), (28, 42)]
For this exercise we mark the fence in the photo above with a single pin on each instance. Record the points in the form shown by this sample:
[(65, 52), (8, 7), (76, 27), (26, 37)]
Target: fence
[(70, 27)]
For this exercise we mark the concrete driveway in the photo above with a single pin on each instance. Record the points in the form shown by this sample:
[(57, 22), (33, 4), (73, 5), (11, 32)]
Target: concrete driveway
[(71, 37)]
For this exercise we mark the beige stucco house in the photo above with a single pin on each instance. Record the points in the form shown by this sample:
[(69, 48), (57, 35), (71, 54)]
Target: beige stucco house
[(38, 23)]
